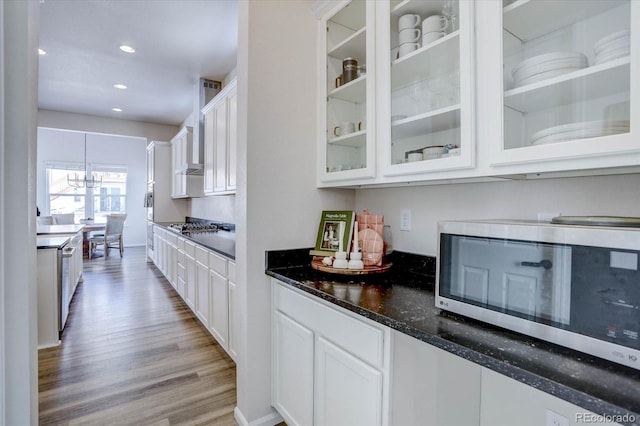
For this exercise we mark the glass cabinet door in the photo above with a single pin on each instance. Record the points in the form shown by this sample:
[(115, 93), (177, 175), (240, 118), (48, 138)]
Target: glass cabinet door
[(428, 117), (567, 85), (348, 149)]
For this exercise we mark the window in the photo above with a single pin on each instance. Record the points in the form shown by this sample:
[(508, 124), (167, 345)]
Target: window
[(95, 203)]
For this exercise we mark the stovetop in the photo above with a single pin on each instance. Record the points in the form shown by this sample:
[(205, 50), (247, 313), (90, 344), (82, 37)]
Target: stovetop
[(193, 225)]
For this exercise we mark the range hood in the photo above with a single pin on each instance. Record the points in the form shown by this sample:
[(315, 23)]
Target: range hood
[(205, 90)]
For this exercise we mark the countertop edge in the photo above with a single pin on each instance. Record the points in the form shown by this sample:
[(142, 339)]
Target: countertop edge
[(195, 241), (561, 391)]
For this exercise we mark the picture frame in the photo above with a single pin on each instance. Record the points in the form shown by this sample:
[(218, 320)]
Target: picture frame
[(328, 241)]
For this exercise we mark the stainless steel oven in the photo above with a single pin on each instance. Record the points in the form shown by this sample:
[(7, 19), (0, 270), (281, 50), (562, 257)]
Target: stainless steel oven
[(576, 286)]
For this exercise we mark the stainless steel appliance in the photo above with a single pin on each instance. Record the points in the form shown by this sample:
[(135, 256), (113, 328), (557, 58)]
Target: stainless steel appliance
[(573, 285)]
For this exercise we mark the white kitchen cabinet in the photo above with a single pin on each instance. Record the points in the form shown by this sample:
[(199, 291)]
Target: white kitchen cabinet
[(293, 355), (220, 130), (432, 386), (219, 304), (184, 185), (461, 92), (585, 116), (181, 274), (506, 401), (234, 324), (346, 139), (190, 279), (349, 357), (150, 163), (202, 286), (172, 258), (426, 96)]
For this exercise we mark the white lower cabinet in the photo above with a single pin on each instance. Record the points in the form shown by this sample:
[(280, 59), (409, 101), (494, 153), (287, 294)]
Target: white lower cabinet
[(190, 280), (219, 319), (292, 370), (347, 390), (202, 285), (432, 386), (506, 401), (205, 280), (331, 367), (234, 324)]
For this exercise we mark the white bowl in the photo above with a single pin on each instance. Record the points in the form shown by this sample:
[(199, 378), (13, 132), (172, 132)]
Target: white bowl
[(611, 37), (547, 57)]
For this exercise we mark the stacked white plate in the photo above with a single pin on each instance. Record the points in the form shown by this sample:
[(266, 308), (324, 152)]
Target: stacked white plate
[(582, 130), (613, 46), (546, 66)]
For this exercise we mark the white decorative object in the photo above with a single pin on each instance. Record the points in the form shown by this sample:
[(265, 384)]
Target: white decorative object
[(341, 260), (355, 258), (328, 261)]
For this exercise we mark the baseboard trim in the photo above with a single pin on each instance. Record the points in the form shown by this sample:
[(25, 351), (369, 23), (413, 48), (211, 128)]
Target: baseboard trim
[(270, 419)]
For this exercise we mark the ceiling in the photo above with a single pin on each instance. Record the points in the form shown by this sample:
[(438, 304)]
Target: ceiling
[(176, 42)]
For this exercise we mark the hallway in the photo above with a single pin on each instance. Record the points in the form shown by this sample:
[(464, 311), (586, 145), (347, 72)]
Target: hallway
[(133, 354)]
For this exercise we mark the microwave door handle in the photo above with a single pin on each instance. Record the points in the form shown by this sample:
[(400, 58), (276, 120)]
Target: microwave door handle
[(544, 263)]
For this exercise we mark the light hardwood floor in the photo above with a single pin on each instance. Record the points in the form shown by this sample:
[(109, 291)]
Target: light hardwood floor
[(134, 354)]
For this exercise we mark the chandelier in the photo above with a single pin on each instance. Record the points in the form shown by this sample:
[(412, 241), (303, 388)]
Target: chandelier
[(85, 181)]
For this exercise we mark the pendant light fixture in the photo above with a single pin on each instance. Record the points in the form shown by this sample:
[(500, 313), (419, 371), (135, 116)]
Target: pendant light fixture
[(86, 181)]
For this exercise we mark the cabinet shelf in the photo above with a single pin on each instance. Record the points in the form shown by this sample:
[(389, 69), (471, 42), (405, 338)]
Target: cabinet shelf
[(529, 19), (430, 122), (435, 58), (588, 83), (422, 8), (354, 91), (354, 140), (354, 46)]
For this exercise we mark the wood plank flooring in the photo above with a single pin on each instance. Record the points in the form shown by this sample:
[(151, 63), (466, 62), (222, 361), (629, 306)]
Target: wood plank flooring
[(134, 354)]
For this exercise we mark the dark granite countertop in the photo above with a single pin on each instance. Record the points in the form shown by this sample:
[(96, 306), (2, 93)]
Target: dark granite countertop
[(223, 242), (403, 299)]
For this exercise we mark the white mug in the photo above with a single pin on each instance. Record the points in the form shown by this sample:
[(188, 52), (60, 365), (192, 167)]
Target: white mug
[(435, 23), (432, 36), (408, 21), (344, 128), (408, 48), (409, 35), (414, 156)]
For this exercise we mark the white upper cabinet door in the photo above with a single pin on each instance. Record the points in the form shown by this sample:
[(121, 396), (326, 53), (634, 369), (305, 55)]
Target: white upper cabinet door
[(232, 138), (559, 84), (220, 147), (209, 124), (426, 86), (346, 143)]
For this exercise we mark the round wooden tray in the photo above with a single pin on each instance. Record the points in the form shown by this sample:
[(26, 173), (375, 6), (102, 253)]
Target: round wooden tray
[(316, 263)]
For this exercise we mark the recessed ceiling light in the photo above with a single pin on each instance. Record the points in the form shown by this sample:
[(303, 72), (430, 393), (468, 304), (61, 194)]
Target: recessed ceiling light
[(127, 49), (41, 52), (120, 86), (116, 109)]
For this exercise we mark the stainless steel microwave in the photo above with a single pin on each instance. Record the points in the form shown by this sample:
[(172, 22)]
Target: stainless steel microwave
[(575, 286)]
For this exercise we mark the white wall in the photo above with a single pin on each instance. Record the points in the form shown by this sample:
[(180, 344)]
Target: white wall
[(18, 299), (278, 205), (102, 149), (596, 195)]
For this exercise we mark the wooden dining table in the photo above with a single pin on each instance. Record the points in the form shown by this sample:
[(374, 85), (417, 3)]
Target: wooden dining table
[(88, 228)]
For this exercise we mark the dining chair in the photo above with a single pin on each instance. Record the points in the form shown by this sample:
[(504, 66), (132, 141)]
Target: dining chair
[(63, 218), (112, 235), (44, 220)]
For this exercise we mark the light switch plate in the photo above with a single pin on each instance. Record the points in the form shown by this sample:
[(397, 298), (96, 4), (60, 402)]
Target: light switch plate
[(555, 419), (405, 220)]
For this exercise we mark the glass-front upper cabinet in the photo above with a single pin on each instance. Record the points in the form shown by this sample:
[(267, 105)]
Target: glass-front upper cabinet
[(569, 80), (348, 51), (426, 121)]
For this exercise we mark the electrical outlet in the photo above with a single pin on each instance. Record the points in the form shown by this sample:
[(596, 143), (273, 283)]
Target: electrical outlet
[(405, 220), (555, 419), (546, 217)]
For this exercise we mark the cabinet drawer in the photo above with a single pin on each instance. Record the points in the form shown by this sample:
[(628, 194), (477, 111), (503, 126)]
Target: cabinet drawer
[(231, 271), (202, 255), (172, 238), (190, 249), (362, 340), (218, 264), (181, 243)]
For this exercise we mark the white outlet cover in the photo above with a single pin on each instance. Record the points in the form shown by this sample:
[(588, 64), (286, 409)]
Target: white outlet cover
[(555, 419), (405, 220)]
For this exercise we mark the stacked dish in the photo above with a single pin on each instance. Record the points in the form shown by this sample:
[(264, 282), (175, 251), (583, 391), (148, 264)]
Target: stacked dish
[(582, 130), (546, 66), (613, 46)]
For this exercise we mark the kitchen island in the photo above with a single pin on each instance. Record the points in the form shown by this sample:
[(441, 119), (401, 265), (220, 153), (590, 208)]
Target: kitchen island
[(403, 300)]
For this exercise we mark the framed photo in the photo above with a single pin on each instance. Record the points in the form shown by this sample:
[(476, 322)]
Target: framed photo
[(334, 232)]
